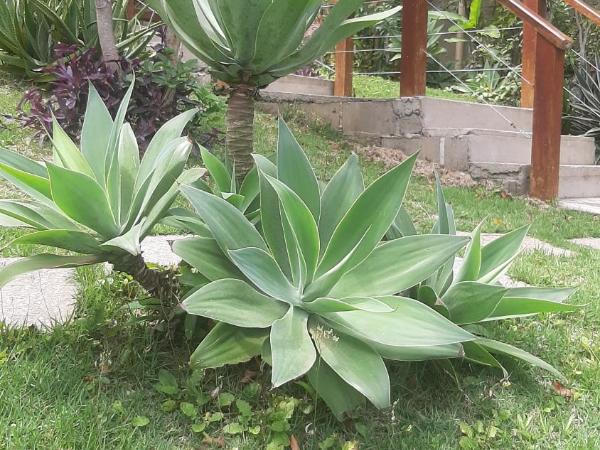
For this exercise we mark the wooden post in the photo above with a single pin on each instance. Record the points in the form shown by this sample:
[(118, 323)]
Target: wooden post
[(528, 53), (344, 56), (547, 120), (413, 64)]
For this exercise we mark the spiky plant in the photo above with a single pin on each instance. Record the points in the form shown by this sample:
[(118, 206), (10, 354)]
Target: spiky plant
[(251, 45)]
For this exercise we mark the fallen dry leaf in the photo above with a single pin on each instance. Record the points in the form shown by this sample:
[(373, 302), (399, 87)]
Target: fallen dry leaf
[(212, 441), (294, 443), (249, 376), (562, 390)]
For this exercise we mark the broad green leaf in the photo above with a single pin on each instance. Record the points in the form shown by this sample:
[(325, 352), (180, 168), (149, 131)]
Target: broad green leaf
[(129, 241), (228, 344), (470, 302), (327, 305), (479, 355), (339, 195), (421, 353), (402, 226), (35, 186), (551, 294), (302, 224), (207, 257), (271, 220), (112, 158), (397, 265), (355, 362), (411, 324), (236, 303), (129, 163), (75, 241), (44, 261), (95, 134), (229, 226), (71, 191), (294, 170), (168, 132), (250, 189), (498, 254), (22, 163), (368, 219), (292, 349), (511, 307), (469, 271), (69, 155), (262, 270), (217, 170), (335, 392), (501, 348), (36, 216)]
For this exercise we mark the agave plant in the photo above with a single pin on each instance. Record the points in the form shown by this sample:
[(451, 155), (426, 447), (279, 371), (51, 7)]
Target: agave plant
[(468, 291), (331, 282), (100, 202), (30, 30), (250, 47)]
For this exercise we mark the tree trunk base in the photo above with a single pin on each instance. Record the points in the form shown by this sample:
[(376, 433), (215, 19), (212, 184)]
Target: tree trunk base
[(240, 129)]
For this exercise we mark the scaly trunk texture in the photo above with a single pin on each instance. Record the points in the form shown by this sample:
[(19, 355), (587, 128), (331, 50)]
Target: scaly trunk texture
[(240, 129), (104, 23), (163, 285)]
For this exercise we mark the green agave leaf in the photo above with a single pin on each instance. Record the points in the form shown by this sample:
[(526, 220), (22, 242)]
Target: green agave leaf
[(272, 222), (422, 353), (471, 266), (129, 163), (229, 226), (45, 261), (368, 219), (228, 344), (37, 187), (72, 240), (22, 163), (236, 303), (129, 242), (339, 396), (112, 162), (402, 226), (67, 152), (479, 355), (262, 270), (95, 133), (302, 224), (250, 189), (397, 265), (217, 170), (71, 190), (411, 324), (339, 195), (510, 307), (167, 133), (36, 216), (292, 349), (470, 302), (355, 362), (551, 294), (294, 169), (206, 256), (496, 347), (327, 305), (497, 256)]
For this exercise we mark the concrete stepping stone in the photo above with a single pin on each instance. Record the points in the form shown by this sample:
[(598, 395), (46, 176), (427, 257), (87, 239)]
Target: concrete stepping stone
[(588, 205), (587, 242), (157, 250), (530, 244), (40, 298)]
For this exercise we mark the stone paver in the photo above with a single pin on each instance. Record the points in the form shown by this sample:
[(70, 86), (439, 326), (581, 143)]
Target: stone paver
[(588, 205), (587, 242), (530, 244), (157, 250), (39, 298)]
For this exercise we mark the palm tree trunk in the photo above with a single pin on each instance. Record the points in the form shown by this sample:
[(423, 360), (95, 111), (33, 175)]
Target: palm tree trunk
[(240, 128), (163, 285), (104, 23)]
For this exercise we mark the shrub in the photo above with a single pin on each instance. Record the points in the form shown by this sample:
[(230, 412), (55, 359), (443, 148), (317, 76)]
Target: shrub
[(98, 203), (162, 90), (310, 286)]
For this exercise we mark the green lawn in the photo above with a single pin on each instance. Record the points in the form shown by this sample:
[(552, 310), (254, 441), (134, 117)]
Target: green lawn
[(93, 383)]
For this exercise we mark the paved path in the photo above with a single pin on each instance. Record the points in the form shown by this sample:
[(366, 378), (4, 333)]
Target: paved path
[(587, 242), (588, 205)]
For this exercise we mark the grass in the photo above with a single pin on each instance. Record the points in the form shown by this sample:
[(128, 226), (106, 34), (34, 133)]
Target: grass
[(367, 86), (92, 383)]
